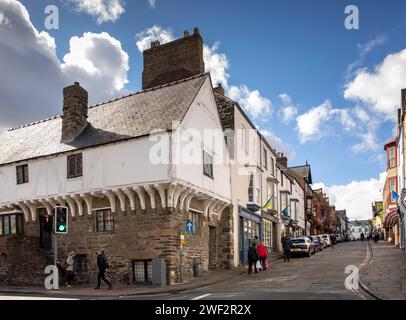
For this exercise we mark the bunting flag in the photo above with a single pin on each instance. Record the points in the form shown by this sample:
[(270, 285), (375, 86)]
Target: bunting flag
[(268, 203)]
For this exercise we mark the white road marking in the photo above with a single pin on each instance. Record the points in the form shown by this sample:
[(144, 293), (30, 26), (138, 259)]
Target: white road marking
[(202, 296), (11, 298)]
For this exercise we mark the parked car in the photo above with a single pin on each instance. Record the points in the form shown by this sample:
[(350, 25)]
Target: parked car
[(323, 241), (339, 238), (302, 245), (327, 238), (318, 245)]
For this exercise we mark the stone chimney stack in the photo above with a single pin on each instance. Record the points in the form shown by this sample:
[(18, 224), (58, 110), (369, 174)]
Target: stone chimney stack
[(282, 160), (74, 118), (403, 102), (219, 90), (173, 61)]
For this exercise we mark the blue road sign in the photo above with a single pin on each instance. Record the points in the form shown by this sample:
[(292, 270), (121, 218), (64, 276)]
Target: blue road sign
[(189, 226)]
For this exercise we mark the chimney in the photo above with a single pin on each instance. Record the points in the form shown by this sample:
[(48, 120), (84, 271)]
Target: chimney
[(173, 61), (403, 102), (219, 90), (74, 118), (282, 160), (186, 34)]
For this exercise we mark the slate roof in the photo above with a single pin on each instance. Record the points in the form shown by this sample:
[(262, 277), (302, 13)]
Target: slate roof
[(125, 118), (304, 172)]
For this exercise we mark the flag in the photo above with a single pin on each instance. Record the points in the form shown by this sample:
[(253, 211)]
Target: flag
[(268, 203), (285, 212), (395, 196)]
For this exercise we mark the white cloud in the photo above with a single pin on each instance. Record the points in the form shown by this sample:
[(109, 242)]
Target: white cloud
[(35, 78), (252, 101), (363, 50), (346, 120), (98, 62), (310, 123), (155, 33), (356, 197), (380, 89), (289, 111), (368, 142), (152, 3), (217, 64), (102, 10)]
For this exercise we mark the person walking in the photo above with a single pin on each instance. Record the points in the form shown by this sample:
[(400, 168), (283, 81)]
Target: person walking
[(287, 246), (103, 265), (69, 273), (263, 254), (252, 258), (333, 240)]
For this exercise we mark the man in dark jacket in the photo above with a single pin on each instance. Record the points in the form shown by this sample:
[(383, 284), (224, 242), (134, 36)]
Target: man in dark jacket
[(252, 257), (287, 246), (103, 265)]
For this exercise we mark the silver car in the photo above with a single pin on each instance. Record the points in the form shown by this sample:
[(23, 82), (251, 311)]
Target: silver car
[(302, 245)]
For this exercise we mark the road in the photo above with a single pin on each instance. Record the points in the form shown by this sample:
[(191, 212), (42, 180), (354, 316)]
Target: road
[(320, 277)]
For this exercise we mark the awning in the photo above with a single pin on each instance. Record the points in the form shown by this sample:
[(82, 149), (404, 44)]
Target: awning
[(391, 217)]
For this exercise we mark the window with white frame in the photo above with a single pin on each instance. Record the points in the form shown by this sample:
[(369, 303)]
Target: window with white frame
[(265, 159), (284, 201), (251, 188), (267, 233), (258, 188), (293, 209), (243, 138), (207, 164), (271, 193), (392, 188), (392, 159)]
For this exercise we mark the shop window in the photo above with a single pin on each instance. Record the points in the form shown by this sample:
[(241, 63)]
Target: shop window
[(104, 220), (142, 271), (11, 224)]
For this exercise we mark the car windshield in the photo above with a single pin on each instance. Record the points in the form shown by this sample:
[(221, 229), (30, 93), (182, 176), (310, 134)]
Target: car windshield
[(298, 240)]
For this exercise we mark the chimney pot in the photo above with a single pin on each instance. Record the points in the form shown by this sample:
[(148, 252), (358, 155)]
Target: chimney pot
[(155, 43), (219, 89), (186, 33)]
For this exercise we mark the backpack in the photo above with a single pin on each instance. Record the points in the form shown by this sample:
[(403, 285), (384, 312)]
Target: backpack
[(64, 264)]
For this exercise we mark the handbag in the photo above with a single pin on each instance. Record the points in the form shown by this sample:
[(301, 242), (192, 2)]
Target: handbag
[(266, 264), (259, 265)]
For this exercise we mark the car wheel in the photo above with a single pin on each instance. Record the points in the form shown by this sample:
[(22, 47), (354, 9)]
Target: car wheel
[(309, 254)]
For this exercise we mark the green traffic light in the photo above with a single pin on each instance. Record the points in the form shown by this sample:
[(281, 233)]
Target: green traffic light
[(62, 228)]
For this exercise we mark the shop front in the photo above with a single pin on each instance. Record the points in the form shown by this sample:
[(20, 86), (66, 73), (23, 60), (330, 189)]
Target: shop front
[(250, 227)]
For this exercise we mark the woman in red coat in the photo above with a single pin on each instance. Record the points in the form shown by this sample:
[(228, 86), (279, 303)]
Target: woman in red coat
[(262, 254)]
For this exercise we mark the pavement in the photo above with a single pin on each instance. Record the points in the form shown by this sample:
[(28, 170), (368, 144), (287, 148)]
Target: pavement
[(386, 276), (88, 291)]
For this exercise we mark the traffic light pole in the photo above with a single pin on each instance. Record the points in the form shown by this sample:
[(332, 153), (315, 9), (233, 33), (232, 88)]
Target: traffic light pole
[(55, 249)]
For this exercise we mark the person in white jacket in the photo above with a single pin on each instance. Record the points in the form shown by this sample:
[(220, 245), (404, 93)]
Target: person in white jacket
[(70, 275)]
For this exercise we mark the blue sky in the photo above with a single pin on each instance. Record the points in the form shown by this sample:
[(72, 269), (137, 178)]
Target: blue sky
[(297, 48)]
